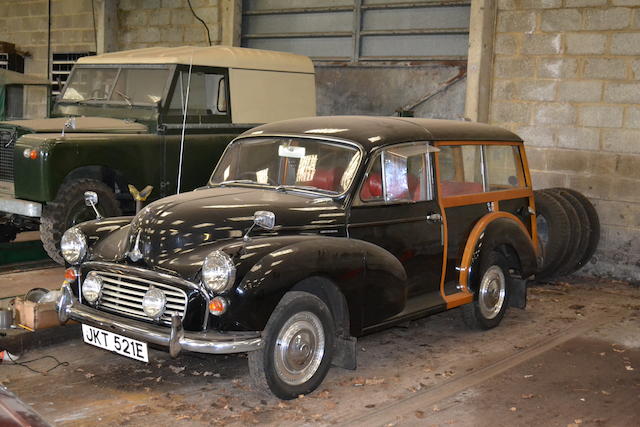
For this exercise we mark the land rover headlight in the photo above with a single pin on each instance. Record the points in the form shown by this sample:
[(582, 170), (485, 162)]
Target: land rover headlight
[(218, 271), (73, 245), (92, 287)]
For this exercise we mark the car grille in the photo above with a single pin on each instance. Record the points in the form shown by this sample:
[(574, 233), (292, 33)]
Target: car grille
[(123, 294), (7, 144)]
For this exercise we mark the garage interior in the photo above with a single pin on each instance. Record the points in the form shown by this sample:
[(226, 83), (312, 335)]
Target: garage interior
[(562, 74)]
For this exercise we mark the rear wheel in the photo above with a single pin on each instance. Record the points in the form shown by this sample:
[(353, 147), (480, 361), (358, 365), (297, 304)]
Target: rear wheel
[(68, 209), (491, 290), (298, 347)]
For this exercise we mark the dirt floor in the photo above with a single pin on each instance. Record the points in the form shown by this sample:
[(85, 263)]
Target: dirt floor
[(572, 358)]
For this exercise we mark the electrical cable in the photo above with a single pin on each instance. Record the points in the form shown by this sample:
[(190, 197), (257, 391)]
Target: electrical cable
[(201, 20), (24, 364)]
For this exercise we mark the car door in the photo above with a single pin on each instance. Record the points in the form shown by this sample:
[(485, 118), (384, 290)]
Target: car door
[(395, 208)]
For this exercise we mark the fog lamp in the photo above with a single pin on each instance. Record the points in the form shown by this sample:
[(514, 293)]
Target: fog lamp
[(92, 287), (154, 303)]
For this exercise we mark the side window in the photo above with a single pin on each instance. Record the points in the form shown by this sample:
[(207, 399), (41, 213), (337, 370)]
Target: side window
[(504, 167), (460, 169), (401, 173), (207, 95)]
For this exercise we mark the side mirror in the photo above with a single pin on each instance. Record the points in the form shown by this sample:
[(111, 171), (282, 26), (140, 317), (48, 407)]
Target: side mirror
[(90, 198), (264, 219)]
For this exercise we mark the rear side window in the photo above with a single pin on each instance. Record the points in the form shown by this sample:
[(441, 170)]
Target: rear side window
[(460, 169), (504, 168), (472, 169)]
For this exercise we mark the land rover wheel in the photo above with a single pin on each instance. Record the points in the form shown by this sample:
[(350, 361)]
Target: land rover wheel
[(298, 347), (69, 209), (491, 290)]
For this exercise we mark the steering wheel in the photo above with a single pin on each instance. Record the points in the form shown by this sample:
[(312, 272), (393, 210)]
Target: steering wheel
[(253, 177)]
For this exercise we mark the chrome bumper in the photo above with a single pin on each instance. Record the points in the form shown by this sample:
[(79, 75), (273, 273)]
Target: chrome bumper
[(20, 207), (176, 339)]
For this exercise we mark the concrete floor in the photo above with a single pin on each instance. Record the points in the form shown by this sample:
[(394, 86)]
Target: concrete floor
[(571, 358)]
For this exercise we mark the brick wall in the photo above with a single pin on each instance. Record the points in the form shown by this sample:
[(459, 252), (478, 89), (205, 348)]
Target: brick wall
[(148, 23), (566, 77), (25, 23)]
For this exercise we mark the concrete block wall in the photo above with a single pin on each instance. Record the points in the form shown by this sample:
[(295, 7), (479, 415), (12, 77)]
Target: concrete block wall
[(149, 23), (566, 77), (25, 23)]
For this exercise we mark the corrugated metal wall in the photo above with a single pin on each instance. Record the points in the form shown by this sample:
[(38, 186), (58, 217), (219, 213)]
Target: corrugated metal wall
[(371, 56)]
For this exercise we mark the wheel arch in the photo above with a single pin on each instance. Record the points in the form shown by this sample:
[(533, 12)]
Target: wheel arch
[(114, 178), (502, 232)]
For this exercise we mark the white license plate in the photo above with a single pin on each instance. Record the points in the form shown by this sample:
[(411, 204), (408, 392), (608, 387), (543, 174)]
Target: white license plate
[(117, 343)]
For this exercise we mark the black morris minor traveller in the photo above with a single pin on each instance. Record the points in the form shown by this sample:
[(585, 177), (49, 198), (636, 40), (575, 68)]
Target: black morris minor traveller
[(312, 232)]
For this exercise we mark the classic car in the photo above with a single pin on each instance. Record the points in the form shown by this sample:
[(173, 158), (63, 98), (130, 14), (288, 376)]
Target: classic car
[(158, 117), (310, 233)]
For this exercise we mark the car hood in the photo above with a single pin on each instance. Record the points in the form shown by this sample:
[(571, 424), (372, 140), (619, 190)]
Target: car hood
[(184, 228), (76, 125)]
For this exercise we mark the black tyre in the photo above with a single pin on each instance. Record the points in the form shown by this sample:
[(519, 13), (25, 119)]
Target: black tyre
[(575, 232), (594, 227), (585, 231), (298, 347), (491, 293), (552, 223), (68, 209)]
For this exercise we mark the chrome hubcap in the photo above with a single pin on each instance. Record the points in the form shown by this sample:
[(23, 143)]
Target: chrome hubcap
[(492, 292), (299, 348)]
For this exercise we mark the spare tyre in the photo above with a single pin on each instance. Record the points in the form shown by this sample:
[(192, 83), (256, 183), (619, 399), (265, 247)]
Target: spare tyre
[(553, 228), (594, 226), (575, 232), (585, 231)]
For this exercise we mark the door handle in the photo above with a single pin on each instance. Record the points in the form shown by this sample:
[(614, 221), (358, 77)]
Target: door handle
[(434, 217)]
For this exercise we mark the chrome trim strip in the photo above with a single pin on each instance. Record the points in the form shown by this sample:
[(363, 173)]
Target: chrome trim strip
[(174, 338), (140, 273), (21, 207)]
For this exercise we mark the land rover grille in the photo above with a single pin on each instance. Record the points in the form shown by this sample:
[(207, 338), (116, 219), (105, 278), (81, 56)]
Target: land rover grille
[(7, 144)]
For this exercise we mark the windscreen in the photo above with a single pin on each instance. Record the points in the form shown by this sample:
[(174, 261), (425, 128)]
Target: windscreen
[(298, 162), (126, 85)]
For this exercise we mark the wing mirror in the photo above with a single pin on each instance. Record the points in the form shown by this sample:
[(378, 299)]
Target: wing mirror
[(91, 199), (264, 219)]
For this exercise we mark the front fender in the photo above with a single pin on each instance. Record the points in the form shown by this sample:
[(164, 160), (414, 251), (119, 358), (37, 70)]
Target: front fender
[(107, 237), (350, 264)]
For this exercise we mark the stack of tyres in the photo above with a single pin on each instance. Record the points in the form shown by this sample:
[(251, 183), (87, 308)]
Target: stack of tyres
[(568, 231)]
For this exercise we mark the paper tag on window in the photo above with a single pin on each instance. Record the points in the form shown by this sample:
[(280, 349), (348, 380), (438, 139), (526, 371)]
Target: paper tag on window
[(291, 151)]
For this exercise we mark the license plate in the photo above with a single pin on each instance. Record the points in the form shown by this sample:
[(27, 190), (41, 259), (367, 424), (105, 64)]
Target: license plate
[(117, 343)]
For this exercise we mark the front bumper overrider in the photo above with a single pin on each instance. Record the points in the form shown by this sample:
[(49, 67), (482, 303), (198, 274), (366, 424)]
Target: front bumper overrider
[(174, 338)]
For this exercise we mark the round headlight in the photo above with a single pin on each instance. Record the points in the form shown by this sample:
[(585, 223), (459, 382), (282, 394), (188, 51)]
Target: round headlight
[(73, 245), (154, 302), (218, 271), (92, 287)]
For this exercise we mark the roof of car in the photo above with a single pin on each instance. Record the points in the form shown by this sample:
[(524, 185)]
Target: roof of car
[(213, 56), (373, 131)]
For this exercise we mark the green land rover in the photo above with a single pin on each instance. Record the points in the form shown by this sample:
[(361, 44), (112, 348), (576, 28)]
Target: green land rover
[(157, 117)]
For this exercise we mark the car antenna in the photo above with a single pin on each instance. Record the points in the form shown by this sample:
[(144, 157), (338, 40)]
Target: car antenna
[(184, 122)]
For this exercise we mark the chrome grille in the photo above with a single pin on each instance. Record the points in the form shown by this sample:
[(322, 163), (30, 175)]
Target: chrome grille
[(123, 294), (7, 144)]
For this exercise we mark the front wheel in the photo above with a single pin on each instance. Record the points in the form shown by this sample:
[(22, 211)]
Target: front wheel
[(298, 347), (491, 297)]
